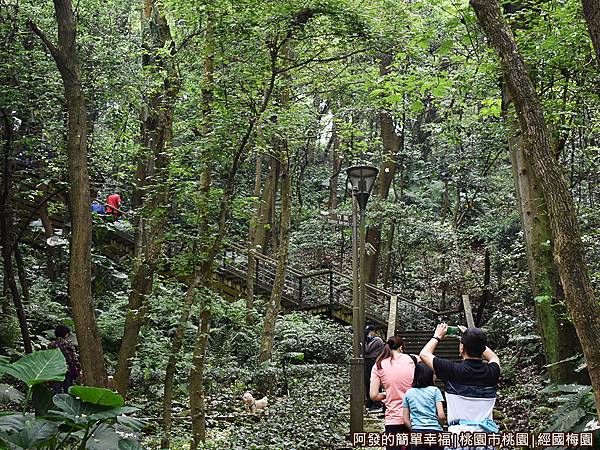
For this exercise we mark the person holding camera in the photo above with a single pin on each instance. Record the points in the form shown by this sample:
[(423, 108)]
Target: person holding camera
[(470, 384)]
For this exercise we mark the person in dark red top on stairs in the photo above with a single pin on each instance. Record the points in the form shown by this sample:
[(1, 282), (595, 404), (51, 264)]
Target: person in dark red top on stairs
[(113, 205)]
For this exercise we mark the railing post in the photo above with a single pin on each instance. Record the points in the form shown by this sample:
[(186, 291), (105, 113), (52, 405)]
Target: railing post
[(257, 268), (299, 290)]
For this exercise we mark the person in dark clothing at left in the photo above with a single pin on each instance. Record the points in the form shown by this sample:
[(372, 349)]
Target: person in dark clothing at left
[(67, 348), (373, 347)]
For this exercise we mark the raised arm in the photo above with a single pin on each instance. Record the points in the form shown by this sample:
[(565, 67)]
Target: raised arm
[(426, 354), (490, 356)]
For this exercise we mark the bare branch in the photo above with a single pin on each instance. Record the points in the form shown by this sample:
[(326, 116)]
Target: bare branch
[(321, 60)]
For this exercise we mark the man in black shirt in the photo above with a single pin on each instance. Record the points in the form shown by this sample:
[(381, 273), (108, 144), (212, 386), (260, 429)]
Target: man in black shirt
[(470, 385)]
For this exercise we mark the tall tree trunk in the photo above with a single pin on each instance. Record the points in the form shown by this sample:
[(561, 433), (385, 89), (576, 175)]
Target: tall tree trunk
[(176, 345), (196, 380), (80, 292), (568, 251), (274, 305), (391, 146), (591, 12), (6, 229), (153, 188), (260, 228), (558, 335)]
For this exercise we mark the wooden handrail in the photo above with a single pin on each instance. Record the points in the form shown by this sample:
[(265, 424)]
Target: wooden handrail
[(301, 275), (316, 273), (387, 293), (264, 258)]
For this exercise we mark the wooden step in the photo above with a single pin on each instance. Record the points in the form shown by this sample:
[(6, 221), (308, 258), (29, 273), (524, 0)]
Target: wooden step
[(415, 340)]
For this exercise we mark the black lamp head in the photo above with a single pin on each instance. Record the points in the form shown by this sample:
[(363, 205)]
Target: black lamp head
[(363, 180)]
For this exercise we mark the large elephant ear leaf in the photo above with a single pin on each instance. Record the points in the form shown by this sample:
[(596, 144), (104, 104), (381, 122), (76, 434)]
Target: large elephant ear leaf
[(33, 432), (131, 423), (103, 438), (69, 407), (12, 422), (130, 444), (38, 367), (96, 396), (9, 394), (81, 412)]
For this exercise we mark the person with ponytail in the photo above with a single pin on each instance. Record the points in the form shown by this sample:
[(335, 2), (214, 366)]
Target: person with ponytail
[(394, 370)]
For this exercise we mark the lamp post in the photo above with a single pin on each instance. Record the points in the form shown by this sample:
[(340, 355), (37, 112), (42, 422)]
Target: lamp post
[(362, 179)]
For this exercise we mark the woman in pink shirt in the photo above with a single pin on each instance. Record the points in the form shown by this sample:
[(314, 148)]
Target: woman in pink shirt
[(394, 370)]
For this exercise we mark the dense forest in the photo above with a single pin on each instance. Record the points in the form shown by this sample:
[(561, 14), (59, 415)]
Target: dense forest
[(174, 191)]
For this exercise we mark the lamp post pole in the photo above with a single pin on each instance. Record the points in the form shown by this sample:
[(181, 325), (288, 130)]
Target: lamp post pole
[(357, 393), (363, 281), (362, 178)]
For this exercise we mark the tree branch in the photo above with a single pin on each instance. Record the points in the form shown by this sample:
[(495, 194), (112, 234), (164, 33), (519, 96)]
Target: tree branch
[(53, 49), (314, 59)]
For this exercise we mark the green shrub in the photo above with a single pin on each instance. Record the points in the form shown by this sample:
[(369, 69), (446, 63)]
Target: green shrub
[(320, 339), (9, 332), (576, 409)]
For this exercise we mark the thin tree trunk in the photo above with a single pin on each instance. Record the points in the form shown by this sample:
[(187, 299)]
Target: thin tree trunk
[(53, 252), (485, 297), (568, 251), (274, 305), (197, 402), (9, 278), (176, 345), (21, 272), (196, 380), (445, 201), (336, 162), (153, 189), (6, 232), (387, 253), (251, 249)]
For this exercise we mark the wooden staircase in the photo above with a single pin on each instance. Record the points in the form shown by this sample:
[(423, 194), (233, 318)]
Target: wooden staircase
[(415, 340), (327, 292)]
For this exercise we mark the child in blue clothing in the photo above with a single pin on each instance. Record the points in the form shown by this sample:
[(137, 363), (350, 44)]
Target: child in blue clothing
[(423, 408)]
